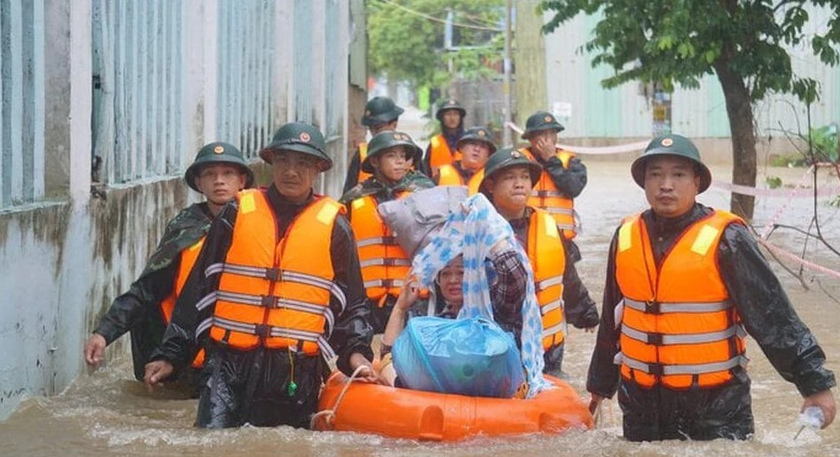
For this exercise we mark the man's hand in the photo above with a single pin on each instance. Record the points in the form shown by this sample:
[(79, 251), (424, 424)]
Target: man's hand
[(367, 373), (156, 373), (94, 349), (408, 295), (594, 403), (825, 401), (543, 146)]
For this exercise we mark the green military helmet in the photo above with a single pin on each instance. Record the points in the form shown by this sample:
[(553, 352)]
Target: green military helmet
[(506, 158), (385, 140), (675, 145), (380, 110), (300, 137), (218, 152), (480, 134), (448, 105), (541, 120)]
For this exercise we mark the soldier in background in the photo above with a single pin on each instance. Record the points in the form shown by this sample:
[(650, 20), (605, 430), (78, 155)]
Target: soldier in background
[(381, 114), (443, 148)]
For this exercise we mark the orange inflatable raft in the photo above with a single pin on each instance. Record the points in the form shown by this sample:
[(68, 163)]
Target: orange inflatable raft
[(403, 413)]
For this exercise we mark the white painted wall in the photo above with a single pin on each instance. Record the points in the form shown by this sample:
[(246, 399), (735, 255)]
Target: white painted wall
[(64, 260)]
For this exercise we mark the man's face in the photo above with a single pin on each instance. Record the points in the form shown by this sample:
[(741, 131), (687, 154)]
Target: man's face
[(474, 154), (451, 119), (510, 188), (220, 182), (671, 185), (293, 174), (549, 136), (392, 164)]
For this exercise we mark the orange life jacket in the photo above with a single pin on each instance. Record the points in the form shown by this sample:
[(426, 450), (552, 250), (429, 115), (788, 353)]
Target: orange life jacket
[(448, 175), (384, 263), (363, 147), (678, 326), (548, 260), (547, 197), (188, 258), (440, 154), (276, 292)]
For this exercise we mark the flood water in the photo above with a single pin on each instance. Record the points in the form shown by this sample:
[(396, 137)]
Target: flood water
[(108, 413)]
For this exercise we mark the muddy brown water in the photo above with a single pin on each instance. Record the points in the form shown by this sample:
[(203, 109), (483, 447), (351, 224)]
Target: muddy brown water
[(108, 413)]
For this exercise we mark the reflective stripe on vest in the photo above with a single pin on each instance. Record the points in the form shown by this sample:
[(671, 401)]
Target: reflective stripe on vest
[(548, 261), (383, 262), (276, 293), (678, 327), (167, 306), (363, 175), (546, 196), (685, 370)]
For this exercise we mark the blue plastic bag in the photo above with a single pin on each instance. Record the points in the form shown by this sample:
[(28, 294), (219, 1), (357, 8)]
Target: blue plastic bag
[(472, 357)]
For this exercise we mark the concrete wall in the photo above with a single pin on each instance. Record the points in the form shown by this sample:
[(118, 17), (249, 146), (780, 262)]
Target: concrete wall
[(64, 259)]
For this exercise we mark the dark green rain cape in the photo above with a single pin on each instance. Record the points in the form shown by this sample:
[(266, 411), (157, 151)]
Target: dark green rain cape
[(138, 310), (411, 182)]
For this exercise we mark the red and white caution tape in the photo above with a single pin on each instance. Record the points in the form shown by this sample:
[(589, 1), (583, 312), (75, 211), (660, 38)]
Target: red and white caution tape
[(810, 265), (797, 192), (617, 149)]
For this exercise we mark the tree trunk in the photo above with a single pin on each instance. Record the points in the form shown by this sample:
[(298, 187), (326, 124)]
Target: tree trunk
[(739, 109)]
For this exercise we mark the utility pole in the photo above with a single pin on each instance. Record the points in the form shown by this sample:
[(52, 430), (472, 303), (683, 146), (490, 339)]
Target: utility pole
[(506, 92)]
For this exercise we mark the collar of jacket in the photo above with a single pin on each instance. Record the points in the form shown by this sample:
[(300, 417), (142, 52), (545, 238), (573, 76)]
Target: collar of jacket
[(664, 226), (452, 136), (412, 181), (282, 205)]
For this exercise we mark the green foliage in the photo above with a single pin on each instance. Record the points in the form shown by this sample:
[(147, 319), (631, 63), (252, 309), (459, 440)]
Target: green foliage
[(824, 140), (409, 47), (774, 182), (680, 41), (788, 161)]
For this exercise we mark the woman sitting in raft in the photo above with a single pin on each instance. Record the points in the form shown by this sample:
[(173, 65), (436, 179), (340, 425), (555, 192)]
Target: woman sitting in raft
[(507, 293), (469, 232)]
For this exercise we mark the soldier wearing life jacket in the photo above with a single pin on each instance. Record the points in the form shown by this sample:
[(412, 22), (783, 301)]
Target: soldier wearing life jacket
[(276, 292), (218, 172), (508, 184), (384, 263), (563, 177), (443, 147), (381, 115), (474, 147), (686, 284)]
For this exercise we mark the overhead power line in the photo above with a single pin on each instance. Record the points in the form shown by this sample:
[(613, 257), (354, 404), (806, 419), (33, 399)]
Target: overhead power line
[(435, 19)]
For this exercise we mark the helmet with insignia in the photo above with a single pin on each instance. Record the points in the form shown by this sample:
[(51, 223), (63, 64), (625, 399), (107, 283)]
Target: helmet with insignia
[(386, 140), (299, 137), (380, 110), (218, 152), (674, 145), (448, 105), (541, 120), (479, 134), (507, 158)]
